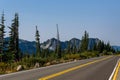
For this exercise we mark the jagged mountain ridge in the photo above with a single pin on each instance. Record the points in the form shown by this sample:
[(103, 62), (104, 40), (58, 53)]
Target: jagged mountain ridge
[(64, 44), (30, 46)]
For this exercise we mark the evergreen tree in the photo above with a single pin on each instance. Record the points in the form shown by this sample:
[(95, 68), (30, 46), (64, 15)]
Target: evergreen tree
[(108, 47), (45, 53), (58, 46), (2, 27), (14, 38), (38, 50), (100, 46), (68, 48), (74, 47), (95, 47), (85, 41)]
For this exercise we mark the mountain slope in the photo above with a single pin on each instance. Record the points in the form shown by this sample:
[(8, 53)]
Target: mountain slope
[(30, 46), (117, 48)]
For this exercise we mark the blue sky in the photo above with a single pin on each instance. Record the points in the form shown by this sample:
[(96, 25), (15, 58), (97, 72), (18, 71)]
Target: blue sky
[(101, 18)]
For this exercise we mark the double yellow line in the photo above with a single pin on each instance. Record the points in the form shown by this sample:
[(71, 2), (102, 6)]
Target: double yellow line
[(116, 71), (72, 69)]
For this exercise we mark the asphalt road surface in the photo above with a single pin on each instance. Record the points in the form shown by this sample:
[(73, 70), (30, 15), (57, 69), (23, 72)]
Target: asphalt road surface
[(99, 70)]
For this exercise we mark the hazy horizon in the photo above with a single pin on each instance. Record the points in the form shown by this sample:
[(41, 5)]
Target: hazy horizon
[(100, 18)]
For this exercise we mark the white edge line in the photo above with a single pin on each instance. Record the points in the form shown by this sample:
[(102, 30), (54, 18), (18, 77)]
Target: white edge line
[(110, 78)]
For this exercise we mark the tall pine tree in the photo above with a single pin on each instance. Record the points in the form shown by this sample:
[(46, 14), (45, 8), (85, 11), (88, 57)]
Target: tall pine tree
[(2, 28), (14, 38), (38, 49), (58, 46), (85, 41)]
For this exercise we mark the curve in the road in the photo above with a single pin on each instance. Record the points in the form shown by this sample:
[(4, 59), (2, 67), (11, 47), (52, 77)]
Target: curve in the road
[(72, 69)]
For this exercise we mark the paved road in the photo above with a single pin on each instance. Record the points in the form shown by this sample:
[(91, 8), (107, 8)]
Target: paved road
[(118, 76), (96, 71)]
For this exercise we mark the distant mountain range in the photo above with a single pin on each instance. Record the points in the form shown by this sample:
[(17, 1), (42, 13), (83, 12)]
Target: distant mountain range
[(30, 46), (25, 46), (51, 43), (117, 48)]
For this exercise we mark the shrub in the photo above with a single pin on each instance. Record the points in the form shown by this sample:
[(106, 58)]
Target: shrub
[(4, 67), (72, 56), (87, 54), (30, 62)]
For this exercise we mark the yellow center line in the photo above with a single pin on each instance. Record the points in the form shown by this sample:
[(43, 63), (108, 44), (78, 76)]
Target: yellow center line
[(72, 69), (116, 72)]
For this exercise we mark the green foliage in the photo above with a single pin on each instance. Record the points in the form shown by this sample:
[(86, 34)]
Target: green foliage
[(72, 56), (68, 47), (74, 47), (87, 54), (38, 50), (3, 67), (59, 54), (84, 42), (2, 42), (30, 62), (105, 52), (52, 56), (6, 67), (45, 53), (104, 49), (8, 57), (100, 46), (58, 45), (14, 37)]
